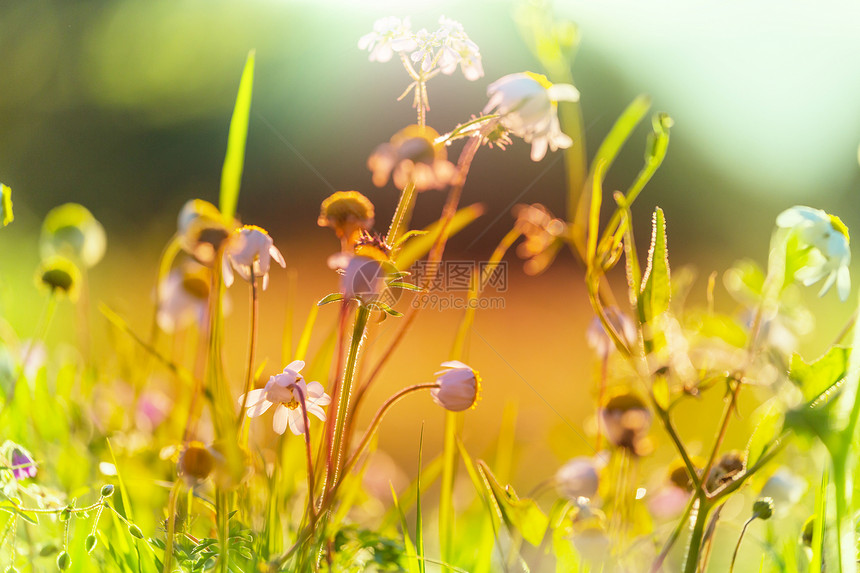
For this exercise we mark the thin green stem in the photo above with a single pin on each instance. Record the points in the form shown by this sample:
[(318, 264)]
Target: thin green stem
[(692, 562), (738, 546), (399, 220), (171, 526), (361, 316), (680, 526)]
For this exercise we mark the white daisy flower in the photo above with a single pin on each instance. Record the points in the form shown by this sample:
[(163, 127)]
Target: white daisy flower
[(528, 106), (826, 237), (250, 252), (286, 391), (389, 35), (459, 387)]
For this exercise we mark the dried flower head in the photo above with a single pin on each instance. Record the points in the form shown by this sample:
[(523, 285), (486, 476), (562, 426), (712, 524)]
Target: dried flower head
[(250, 252), (730, 466), (59, 275), (202, 230), (627, 420), (349, 213), (412, 156), (196, 463), (459, 387), (543, 234)]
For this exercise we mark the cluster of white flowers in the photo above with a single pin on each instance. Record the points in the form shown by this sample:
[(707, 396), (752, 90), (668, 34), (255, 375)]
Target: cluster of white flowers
[(445, 49)]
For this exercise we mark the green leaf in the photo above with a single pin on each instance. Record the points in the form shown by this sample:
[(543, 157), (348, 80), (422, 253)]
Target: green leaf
[(405, 286), (385, 308), (234, 161), (333, 297), (605, 156), (819, 377), (522, 515), (420, 246), (767, 429), (656, 286), (6, 215)]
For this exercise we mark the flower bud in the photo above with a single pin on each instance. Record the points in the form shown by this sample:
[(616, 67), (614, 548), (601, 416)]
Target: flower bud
[(577, 478), (763, 508), (348, 213), (459, 387)]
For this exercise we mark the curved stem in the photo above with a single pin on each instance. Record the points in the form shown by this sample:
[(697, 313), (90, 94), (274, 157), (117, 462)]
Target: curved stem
[(738, 546), (312, 515), (435, 255), (377, 420)]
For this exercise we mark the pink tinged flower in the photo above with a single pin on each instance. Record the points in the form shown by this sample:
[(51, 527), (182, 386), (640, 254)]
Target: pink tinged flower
[(286, 391), (826, 237), (578, 478), (459, 387), (23, 464), (183, 297), (250, 252), (528, 106)]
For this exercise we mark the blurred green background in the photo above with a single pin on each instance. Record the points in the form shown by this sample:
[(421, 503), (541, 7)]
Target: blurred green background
[(124, 106)]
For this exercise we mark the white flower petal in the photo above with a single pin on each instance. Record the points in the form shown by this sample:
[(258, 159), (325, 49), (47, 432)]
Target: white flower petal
[(279, 421), (563, 92)]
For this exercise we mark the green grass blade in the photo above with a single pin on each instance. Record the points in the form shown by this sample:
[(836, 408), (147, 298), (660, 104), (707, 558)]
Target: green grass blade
[(419, 246), (234, 161), (606, 154), (6, 215), (411, 555), (419, 526)]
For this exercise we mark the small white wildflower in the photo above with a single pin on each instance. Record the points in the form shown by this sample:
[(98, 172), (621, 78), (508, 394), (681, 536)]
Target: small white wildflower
[(826, 237), (456, 49), (578, 478), (250, 252), (528, 104), (389, 35), (286, 391), (183, 297), (459, 387)]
